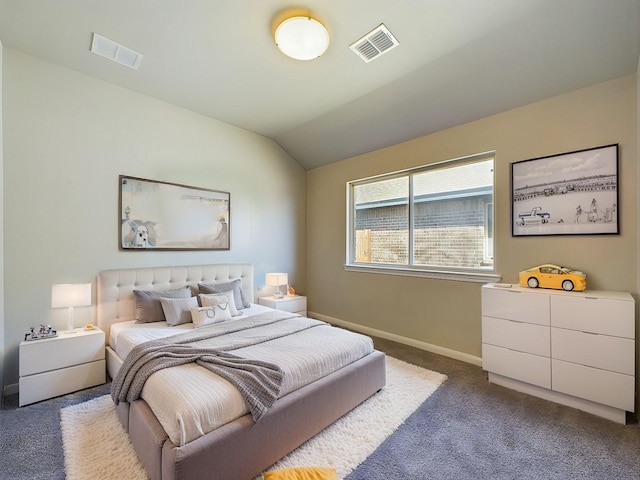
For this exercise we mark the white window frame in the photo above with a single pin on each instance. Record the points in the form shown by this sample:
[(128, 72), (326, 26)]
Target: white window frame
[(484, 274)]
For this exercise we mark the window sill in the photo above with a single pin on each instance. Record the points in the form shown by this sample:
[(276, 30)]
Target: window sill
[(458, 276)]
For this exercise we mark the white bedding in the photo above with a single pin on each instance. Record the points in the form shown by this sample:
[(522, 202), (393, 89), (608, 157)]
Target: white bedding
[(126, 335), (190, 401)]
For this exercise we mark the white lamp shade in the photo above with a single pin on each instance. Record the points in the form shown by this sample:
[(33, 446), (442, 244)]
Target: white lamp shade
[(277, 279), (71, 295), (302, 38)]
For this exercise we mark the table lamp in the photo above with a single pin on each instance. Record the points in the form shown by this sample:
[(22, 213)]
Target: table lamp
[(70, 295), (277, 280)]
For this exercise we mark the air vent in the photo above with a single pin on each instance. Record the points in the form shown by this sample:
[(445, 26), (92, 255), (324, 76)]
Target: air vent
[(114, 51), (375, 43)]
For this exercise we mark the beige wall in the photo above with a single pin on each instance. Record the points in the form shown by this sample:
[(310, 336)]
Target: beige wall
[(68, 136), (446, 314)]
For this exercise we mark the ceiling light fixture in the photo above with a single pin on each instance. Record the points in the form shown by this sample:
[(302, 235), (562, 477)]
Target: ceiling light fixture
[(302, 37)]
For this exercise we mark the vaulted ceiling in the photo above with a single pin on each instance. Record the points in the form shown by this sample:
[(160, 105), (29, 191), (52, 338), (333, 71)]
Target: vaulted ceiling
[(458, 60)]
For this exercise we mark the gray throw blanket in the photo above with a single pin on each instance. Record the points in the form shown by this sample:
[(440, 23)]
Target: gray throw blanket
[(258, 382)]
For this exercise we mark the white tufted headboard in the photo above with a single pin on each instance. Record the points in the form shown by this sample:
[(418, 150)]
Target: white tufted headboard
[(116, 302)]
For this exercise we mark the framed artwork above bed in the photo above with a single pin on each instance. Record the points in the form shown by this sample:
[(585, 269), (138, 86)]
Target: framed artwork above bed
[(156, 215)]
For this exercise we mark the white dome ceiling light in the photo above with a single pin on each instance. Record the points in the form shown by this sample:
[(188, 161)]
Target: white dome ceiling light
[(302, 37)]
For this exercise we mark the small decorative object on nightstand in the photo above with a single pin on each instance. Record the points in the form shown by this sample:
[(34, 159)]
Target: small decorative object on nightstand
[(67, 363), (44, 331), (294, 304)]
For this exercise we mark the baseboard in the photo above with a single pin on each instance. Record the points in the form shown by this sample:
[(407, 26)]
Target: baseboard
[(465, 357), (10, 389)]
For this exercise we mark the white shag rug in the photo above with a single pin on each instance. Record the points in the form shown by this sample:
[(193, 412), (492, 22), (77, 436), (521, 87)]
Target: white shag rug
[(97, 447)]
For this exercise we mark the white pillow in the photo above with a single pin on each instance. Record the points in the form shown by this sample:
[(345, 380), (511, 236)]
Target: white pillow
[(221, 287), (177, 310), (208, 299), (202, 316)]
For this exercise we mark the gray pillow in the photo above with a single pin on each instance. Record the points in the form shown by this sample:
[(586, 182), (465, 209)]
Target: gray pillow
[(148, 306), (178, 310), (221, 287)]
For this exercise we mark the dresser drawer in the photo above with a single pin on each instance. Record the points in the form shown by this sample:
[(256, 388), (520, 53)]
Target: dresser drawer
[(600, 351), (515, 304), (524, 337), (600, 386), (525, 367), (597, 315)]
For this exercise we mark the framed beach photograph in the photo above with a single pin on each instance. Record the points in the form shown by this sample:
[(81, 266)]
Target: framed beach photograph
[(157, 215), (573, 193)]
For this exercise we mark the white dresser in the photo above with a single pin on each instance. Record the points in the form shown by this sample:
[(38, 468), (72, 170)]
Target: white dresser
[(574, 348), (55, 366)]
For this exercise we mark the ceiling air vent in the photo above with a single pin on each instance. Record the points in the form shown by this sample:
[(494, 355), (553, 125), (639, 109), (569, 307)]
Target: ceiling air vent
[(378, 41), (114, 51)]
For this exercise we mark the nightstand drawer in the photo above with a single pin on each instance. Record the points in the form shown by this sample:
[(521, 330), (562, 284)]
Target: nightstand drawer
[(295, 304), (60, 382), (63, 351)]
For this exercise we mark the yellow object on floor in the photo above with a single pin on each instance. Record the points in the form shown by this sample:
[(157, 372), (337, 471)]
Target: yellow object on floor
[(302, 473)]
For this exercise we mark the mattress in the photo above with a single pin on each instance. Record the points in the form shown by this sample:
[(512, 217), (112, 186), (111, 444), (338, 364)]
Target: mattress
[(190, 401)]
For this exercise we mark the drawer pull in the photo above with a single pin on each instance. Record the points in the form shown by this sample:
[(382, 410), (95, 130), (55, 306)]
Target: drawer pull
[(591, 298)]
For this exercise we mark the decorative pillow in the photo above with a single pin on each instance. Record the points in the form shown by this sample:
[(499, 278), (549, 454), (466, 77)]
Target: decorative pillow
[(302, 473), (178, 310), (202, 316), (221, 287), (148, 307), (208, 299)]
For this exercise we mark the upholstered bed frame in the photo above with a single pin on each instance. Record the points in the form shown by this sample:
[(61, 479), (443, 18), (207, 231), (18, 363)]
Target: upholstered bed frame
[(243, 448)]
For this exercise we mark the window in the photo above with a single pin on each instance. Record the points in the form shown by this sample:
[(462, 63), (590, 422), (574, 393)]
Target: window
[(435, 220)]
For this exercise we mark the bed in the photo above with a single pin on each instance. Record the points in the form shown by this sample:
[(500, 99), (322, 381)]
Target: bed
[(239, 448)]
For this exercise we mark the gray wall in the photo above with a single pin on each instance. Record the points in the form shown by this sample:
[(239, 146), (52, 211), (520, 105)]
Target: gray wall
[(68, 136)]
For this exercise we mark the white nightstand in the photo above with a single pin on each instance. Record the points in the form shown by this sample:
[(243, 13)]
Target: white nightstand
[(295, 304), (55, 366)]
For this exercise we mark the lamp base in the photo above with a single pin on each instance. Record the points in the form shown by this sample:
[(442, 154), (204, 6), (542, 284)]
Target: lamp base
[(278, 294), (70, 328)]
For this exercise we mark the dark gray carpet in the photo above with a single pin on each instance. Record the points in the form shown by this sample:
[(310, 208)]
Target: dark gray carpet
[(468, 429)]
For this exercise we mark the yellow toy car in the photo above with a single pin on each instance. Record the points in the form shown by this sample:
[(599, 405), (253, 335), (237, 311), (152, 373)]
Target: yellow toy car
[(553, 276)]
